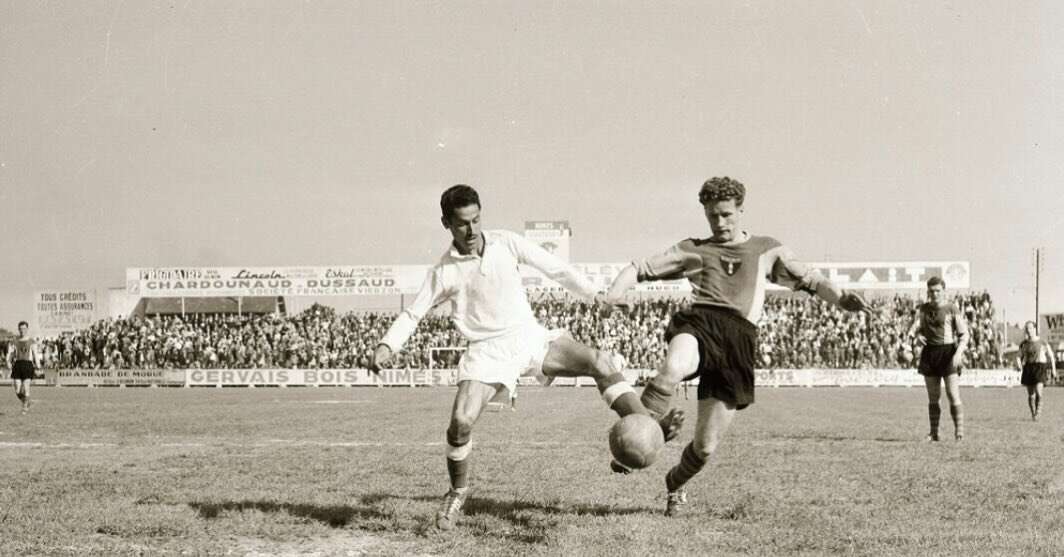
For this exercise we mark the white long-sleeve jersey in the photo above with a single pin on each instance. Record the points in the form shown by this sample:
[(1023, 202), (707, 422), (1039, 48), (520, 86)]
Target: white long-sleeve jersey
[(486, 293)]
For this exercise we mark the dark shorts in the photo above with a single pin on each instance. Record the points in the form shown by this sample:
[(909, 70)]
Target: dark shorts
[(727, 351), (22, 370), (937, 360), (1034, 373)]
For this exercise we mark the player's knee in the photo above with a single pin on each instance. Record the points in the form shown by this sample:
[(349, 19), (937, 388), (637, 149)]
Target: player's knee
[(674, 369), (460, 430), (602, 365)]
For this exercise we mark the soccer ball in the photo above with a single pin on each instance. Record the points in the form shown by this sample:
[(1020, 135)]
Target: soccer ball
[(636, 441)]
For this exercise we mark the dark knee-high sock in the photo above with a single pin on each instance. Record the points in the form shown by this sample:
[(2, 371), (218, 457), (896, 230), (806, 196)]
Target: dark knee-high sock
[(458, 461), (619, 395), (1037, 404), (934, 414), (690, 464), (657, 397), (458, 471), (1031, 403), (957, 411), (21, 396)]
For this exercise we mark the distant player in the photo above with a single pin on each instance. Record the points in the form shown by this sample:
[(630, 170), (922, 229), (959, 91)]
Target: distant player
[(24, 360), (716, 339), (479, 276), (942, 331), (1038, 364)]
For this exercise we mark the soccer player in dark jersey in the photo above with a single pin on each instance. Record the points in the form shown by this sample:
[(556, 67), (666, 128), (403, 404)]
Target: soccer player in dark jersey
[(24, 363), (1038, 364), (716, 339), (941, 329)]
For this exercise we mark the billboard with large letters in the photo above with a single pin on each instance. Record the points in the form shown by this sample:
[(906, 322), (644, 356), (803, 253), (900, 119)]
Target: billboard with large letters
[(336, 280), (58, 311), (319, 377), (1051, 328), (860, 276), (385, 280)]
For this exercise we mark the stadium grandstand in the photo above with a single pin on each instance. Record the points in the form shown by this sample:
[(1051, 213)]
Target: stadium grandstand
[(331, 318)]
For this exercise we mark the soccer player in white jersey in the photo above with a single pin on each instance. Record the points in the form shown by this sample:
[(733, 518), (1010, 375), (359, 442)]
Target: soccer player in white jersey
[(479, 276)]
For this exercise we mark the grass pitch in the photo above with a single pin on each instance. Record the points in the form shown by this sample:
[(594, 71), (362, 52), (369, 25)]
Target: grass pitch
[(361, 472)]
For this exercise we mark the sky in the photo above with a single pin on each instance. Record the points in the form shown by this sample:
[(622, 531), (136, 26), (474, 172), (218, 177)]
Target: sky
[(200, 133)]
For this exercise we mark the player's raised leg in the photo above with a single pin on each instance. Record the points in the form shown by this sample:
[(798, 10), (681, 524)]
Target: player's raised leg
[(714, 417), (681, 361), (568, 358), (956, 407), (934, 411), (469, 403)]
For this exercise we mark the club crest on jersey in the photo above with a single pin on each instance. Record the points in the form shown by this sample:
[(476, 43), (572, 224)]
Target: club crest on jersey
[(730, 264)]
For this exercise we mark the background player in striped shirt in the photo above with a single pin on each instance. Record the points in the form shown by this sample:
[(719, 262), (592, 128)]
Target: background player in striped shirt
[(716, 339), (1037, 364), (479, 277), (24, 362), (941, 329)]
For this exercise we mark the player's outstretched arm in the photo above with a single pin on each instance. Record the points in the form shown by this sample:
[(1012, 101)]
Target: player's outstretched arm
[(849, 301), (625, 280), (552, 267), (788, 271), (673, 263), (432, 293)]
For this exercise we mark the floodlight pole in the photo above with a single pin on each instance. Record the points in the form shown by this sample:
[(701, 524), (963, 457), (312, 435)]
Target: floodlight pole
[(1037, 283)]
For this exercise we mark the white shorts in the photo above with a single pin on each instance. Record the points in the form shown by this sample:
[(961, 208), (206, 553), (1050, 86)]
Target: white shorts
[(501, 360)]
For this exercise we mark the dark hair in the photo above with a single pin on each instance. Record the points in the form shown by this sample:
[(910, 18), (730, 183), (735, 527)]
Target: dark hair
[(21, 323), (457, 197), (935, 281), (1030, 323), (722, 189)]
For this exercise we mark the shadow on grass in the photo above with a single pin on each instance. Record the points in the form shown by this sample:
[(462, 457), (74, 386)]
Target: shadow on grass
[(532, 522), (505, 509), (336, 516), (829, 437)]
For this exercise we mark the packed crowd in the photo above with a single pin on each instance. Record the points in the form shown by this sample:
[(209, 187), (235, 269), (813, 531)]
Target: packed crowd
[(799, 332), (796, 332)]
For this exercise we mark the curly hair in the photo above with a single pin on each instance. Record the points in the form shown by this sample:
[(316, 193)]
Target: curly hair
[(721, 189)]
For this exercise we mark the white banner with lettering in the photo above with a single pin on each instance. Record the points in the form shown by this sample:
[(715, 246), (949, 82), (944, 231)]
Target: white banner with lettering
[(377, 280), (64, 310), (1052, 329), (336, 280)]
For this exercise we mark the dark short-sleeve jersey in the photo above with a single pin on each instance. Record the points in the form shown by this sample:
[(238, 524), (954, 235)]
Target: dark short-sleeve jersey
[(1032, 351), (942, 324), (732, 275), (23, 349)]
